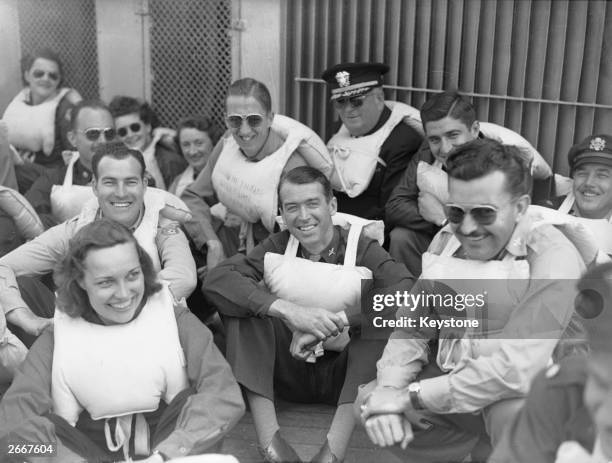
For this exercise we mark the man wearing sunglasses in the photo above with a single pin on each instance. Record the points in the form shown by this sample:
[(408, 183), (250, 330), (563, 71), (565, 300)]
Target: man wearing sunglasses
[(374, 144), (438, 404), (91, 126)]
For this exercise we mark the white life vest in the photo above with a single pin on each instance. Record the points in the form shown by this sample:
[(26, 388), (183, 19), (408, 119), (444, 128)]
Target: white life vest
[(433, 180), (145, 233), (599, 230), (573, 452), (32, 127), (307, 283), (539, 167), (182, 181), (117, 370), (67, 199), (23, 214), (501, 298), (355, 158), (249, 189)]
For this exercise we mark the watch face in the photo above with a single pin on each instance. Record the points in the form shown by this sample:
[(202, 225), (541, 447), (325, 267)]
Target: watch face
[(414, 387)]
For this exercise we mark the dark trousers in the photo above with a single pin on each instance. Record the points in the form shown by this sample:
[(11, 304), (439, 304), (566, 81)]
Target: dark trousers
[(258, 351), (407, 247), (87, 438)]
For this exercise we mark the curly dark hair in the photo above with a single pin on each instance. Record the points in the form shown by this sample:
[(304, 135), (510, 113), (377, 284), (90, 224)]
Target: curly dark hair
[(123, 105), (46, 53), (199, 122), (100, 234), (480, 157)]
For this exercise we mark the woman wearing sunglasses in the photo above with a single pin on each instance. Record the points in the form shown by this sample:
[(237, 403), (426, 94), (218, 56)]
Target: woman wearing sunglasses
[(125, 373), (38, 117), (138, 127), (244, 170)]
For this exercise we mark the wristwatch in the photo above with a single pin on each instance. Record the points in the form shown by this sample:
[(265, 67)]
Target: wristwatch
[(414, 394)]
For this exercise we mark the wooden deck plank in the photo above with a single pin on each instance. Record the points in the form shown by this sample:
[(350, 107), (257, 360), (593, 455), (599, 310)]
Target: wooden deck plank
[(305, 428)]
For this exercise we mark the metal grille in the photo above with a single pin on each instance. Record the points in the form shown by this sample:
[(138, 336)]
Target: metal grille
[(190, 58), (68, 27), (539, 67)]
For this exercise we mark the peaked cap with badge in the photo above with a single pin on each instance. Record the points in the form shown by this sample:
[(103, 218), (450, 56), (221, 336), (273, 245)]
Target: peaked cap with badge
[(354, 79), (594, 148)]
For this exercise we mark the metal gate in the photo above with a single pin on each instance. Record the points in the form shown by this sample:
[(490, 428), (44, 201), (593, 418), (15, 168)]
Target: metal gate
[(68, 27), (540, 67), (190, 58)]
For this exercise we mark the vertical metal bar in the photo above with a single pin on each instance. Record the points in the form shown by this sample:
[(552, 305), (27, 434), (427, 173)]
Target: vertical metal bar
[(364, 30), (423, 40), (539, 32), (408, 43), (437, 43), (297, 56), (484, 60), (379, 31), (453, 44), (603, 119), (394, 48), (553, 74), (518, 70), (469, 46), (502, 52), (570, 86)]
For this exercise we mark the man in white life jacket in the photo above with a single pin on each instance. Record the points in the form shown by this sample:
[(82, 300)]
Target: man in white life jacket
[(438, 407), (375, 141), (121, 195), (298, 287), (590, 199), (413, 214), (92, 125)]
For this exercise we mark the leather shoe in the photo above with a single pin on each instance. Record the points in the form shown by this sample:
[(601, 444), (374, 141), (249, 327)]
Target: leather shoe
[(325, 455), (279, 451)]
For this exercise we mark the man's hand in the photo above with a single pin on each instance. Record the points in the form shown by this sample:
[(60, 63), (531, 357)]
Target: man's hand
[(385, 400), (29, 322), (173, 213), (319, 322), (302, 345), (430, 208), (389, 430)]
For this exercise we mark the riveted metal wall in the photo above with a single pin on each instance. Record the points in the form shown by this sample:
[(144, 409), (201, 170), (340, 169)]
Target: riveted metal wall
[(190, 58), (540, 67), (68, 27)]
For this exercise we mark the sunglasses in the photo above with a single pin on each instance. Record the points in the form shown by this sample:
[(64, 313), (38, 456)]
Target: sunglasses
[(354, 101), (93, 134), (134, 128), (39, 74), (482, 214), (234, 121)]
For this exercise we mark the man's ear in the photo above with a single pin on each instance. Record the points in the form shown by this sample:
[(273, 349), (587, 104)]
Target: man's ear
[(71, 135), (522, 203), (475, 129), (333, 205), (94, 185)]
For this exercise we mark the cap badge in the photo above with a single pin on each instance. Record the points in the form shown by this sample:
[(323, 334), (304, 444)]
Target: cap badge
[(597, 144), (343, 78)]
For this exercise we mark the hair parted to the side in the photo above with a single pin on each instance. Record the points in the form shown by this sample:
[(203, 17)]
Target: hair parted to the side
[(480, 157), (83, 104), (449, 104), (200, 122), (100, 234), (45, 53), (117, 150), (124, 105), (251, 87), (303, 175)]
